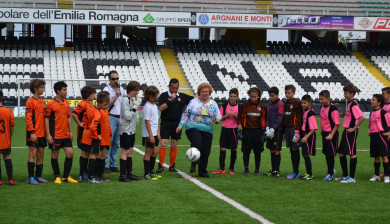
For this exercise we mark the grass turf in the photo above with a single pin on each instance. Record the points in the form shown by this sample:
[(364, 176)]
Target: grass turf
[(173, 199)]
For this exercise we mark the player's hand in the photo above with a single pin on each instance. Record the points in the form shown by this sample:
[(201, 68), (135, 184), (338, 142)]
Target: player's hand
[(178, 129), (329, 137), (100, 137), (33, 137), (152, 140), (71, 136), (349, 130), (81, 125), (304, 139), (49, 139), (118, 91), (173, 96)]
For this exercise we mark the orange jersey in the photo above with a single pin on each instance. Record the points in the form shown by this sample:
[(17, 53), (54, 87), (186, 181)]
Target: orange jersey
[(106, 129), (35, 120), (93, 128), (81, 110), (6, 122), (58, 113)]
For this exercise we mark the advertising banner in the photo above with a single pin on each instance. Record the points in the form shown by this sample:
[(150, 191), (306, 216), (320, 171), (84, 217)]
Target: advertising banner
[(372, 23), (313, 22), (234, 20)]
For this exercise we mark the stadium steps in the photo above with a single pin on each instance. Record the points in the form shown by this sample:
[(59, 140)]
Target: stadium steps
[(65, 4), (263, 6), (265, 52), (173, 68), (371, 68)]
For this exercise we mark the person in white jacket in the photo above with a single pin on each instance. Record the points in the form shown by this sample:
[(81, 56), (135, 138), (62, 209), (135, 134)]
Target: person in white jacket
[(127, 126)]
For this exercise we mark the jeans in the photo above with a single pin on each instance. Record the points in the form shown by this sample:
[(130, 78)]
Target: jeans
[(112, 154), (201, 140)]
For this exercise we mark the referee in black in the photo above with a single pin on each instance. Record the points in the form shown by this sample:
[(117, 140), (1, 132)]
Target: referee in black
[(171, 104)]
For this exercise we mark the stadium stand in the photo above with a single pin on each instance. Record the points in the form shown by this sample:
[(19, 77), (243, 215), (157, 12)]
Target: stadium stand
[(379, 54)]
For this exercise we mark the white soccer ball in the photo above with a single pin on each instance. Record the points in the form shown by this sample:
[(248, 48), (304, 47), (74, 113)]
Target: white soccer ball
[(193, 154)]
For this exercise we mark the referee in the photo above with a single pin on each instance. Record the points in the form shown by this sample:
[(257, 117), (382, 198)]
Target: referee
[(171, 104)]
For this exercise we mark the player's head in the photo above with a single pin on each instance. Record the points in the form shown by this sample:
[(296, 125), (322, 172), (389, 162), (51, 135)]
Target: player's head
[(133, 88), (61, 89), (88, 93), (254, 94), (173, 85), (324, 97), (386, 93), (1, 96), (113, 78), (349, 91), (273, 93), (103, 99), (289, 91), (37, 86), (233, 95), (204, 90), (151, 93), (306, 101), (378, 100)]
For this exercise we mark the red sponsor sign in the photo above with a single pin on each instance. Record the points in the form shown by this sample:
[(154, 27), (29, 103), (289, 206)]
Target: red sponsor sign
[(382, 24)]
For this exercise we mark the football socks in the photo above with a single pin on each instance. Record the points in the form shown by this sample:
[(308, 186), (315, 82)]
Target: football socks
[(172, 156)]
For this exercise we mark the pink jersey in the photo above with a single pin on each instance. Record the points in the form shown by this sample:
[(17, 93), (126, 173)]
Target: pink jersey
[(352, 115), (379, 121), (229, 122), (309, 120), (386, 107), (329, 117)]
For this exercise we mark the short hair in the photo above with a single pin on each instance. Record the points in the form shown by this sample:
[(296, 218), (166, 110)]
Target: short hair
[(204, 85), (325, 93), (273, 90), (150, 91), (173, 81), (36, 84), (103, 97), (1, 96), (59, 85), (386, 89), (112, 72), (86, 91), (380, 98), (133, 86), (234, 91), (350, 88), (307, 98), (256, 90), (288, 87)]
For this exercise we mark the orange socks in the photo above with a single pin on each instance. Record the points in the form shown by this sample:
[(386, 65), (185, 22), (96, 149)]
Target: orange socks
[(172, 155), (161, 155)]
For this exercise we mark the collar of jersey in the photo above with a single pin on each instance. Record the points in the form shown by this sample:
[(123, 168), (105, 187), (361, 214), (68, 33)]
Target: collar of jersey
[(170, 94)]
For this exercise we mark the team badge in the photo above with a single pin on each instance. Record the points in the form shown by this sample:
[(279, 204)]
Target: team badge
[(178, 99), (259, 108), (291, 107)]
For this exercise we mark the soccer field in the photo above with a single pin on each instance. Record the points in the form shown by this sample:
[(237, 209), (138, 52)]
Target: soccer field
[(173, 199)]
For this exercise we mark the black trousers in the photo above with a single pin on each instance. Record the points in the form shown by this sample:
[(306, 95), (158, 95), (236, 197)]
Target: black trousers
[(201, 140)]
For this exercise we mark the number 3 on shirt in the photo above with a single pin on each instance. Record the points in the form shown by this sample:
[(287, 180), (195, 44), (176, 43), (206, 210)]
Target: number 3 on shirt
[(2, 126)]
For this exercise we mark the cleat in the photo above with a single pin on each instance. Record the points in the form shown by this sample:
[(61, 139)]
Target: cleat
[(348, 180), (134, 177), (93, 181), (382, 175), (328, 177), (386, 180), (12, 182), (334, 172), (42, 180), (193, 169), (80, 179), (173, 169), (375, 178), (124, 179), (206, 175), (275, 174), (104, 180), (160, 168), (107, 170), (115, 169), (58, 180), (231, 172), (257, 173), (246, 172), (293, 175), (149, 177), (341, 178), (32, 181), (69, 180), (269, 173), (219, 172), (155, 175), (85, 176), (307, 177)]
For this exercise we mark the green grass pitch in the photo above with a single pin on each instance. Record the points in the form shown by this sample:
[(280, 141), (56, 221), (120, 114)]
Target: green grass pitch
[(173, 199)]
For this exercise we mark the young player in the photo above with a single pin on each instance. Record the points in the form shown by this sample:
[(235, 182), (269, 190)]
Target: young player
[(105, 142), (252, 119), (354, 117), (92, 135), (274, 130), (379, 134), (78, 114), (7, 123), (59, 132), (228, 138), (292, 124), (150, 132), (386, 94), (330, 123), (35, 131), (308, 132), (127, 127)]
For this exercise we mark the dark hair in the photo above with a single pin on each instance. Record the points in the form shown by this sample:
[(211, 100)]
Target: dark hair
[(350, 88), (112, 72), (133, 85), (387, 89), (35, 84), (173, 81), (59, 85), (380, 98), (234, 91), (1, 96), (273, 90), (86, 91), (255, 90), (150, 91), (307, 98), (103, 97), (325, 93), (288, 87)]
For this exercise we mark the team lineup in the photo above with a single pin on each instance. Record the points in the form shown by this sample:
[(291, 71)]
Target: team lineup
[(111, 123)]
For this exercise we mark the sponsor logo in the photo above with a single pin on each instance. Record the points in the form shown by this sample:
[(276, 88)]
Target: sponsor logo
[(365, 23), (204, 19), (148, 18), (382, 24)]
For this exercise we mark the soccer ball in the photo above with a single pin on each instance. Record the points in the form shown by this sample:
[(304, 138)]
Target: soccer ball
[(193, 154)]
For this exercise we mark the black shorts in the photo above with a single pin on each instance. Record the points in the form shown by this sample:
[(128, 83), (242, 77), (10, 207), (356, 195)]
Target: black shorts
[(379, 145), (146, 142), (329, 148), (348, 143), (252, 139), (79, 144), (309, 147), (5, 151), (168, 130), (127, 141), (40, 142), (102, 147), (60, 143), (228, 138), (94, 148), (276, 142)]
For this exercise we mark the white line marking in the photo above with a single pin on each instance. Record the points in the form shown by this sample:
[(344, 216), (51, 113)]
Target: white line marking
[(218, 194)]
